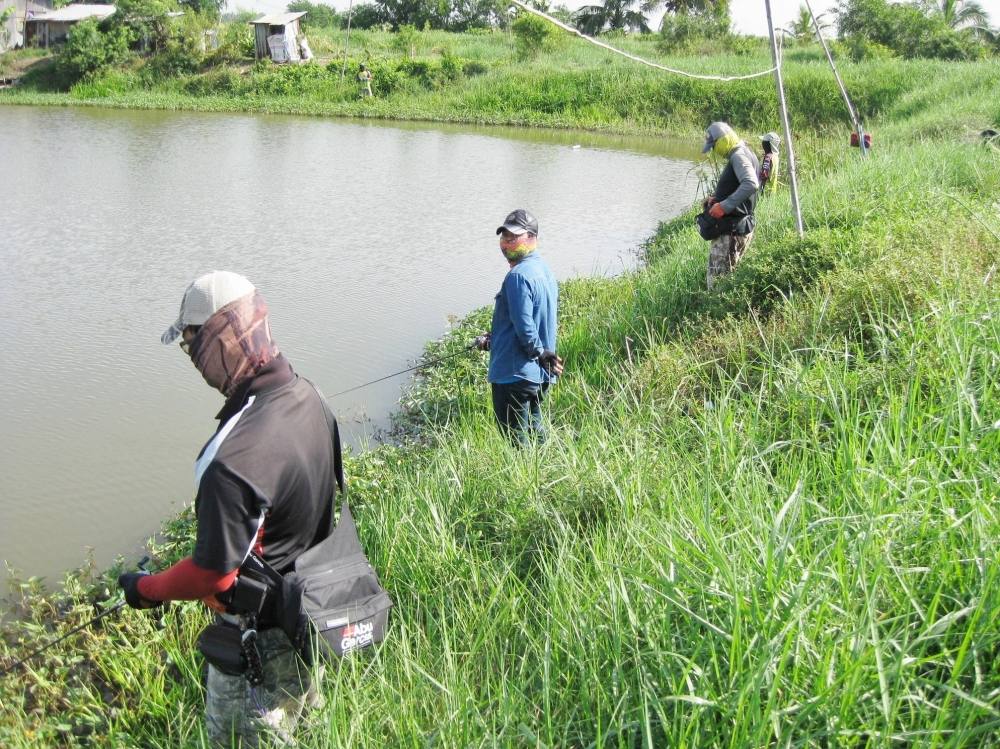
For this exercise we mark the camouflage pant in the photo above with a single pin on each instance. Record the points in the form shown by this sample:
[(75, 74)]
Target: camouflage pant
[(724, 253), (237, 714)]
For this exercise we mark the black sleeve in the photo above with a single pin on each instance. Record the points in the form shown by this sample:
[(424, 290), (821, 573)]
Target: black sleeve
[(229, 513)]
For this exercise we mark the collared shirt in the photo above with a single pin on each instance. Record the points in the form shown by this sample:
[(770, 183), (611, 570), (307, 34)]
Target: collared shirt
[(524, 322), (266, 477)]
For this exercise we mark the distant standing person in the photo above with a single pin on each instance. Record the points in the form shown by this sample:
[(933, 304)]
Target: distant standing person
[(365, 79), (522, 337), (733, 201), (768, 174)]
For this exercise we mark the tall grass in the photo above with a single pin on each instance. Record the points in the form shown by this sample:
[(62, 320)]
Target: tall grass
[(766, 516)]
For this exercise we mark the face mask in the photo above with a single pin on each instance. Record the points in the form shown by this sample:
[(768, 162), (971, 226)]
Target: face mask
[(519, 247), (234, 343), (725, 144)]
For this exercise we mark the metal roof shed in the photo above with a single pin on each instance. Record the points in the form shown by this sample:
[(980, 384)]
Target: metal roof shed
[(274, 32), (54, 25)]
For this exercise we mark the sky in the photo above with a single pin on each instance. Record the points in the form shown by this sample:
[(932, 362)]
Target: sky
[(748, 15)]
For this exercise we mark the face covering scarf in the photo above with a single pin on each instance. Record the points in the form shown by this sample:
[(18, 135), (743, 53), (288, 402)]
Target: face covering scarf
[(234, 344), (517, 248), (725, 144)]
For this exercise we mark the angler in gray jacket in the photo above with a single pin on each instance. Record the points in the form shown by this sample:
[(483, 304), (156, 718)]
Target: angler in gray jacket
[(733, 201)]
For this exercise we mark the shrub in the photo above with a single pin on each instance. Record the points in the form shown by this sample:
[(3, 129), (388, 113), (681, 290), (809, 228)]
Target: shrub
[(907, 31), (474, 67), (88, 50), (681, 32), (5, 15), (860, 49), (429, 73), (386, 78), (104, 83), (145, 21), (747, 46), (183, 50), (236, 42), (294, 80), (532, 34), (451, 65), (406, 39), (215, 82)]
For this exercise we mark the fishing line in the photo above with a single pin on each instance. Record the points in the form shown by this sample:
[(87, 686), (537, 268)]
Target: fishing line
[(421, 365), (113, 609), (60, 639)]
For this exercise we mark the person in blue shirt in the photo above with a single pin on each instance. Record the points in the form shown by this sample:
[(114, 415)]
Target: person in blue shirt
[(522, 337)]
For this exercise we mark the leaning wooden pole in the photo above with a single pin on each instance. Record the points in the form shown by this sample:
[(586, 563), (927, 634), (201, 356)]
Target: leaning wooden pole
[(347, 41), (784, 122), (855, 119)]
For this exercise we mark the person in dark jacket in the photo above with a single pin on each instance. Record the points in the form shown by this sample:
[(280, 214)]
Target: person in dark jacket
[(733, 201), (265, 483), (522, 337)]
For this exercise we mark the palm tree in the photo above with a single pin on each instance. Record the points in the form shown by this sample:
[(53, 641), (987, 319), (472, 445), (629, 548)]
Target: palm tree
[(614, 14), (802, 29), (962, 15)]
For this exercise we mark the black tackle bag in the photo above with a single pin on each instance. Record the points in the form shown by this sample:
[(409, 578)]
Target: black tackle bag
[(331, 602), (711, 228)]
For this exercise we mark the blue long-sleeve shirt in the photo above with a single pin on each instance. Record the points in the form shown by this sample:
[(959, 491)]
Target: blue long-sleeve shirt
[(524, 322)]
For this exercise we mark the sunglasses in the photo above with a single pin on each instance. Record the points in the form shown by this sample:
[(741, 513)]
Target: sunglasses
[(187, 337)]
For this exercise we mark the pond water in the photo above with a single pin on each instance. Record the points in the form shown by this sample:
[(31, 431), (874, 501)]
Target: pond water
[(366, 239)]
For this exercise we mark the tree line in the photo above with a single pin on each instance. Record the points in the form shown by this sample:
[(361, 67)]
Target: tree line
[(947, 29)]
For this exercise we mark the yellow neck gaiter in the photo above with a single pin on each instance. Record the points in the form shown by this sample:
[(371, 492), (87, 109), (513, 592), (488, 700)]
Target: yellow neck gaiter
[(725, 144)]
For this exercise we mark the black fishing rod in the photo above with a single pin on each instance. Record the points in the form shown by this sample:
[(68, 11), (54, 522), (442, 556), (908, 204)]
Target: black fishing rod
[(73, 631), (421, 365), (113, 609)]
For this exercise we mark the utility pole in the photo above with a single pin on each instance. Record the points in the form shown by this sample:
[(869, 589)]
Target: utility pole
[(784, 121)]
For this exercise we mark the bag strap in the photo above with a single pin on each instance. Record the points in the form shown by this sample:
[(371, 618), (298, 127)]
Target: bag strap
[(256, 562), (338, 455)]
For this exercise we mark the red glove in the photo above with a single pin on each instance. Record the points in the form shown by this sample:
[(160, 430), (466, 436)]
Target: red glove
[(716, 211)]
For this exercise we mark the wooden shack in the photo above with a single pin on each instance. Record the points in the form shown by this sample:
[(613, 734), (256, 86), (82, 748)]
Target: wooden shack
[(276, 35), (53, 26), (12, 31)]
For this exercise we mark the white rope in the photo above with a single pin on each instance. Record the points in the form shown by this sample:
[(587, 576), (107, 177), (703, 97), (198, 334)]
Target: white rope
[(617, 51)]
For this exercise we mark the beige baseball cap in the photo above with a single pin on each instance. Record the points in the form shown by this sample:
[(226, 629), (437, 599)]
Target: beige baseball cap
[(205, 296)]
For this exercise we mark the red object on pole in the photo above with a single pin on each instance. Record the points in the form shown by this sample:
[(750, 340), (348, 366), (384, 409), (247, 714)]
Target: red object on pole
[(855, 141)]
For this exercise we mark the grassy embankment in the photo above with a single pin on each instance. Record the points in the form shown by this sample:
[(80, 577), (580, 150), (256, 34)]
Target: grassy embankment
[(766, 516), (483, 78)]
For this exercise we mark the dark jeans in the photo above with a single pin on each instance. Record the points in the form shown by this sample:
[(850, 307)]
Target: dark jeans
[(517, 408)]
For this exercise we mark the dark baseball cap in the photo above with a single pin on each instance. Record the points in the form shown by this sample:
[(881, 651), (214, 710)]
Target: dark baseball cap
[(519, 222)]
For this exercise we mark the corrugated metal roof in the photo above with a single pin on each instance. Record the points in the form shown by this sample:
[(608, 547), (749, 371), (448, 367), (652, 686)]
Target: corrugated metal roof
[(75, 13), (278, 19)]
